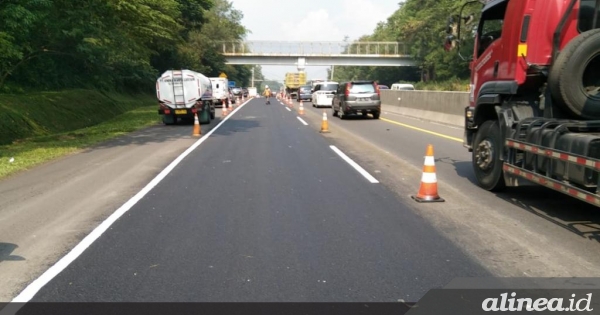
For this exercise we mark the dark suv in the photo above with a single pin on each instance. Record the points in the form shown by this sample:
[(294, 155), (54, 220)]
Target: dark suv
[(356, 97), (304, 93)]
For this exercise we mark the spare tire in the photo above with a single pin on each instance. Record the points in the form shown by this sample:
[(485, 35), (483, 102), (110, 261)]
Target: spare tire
[(574, 79)]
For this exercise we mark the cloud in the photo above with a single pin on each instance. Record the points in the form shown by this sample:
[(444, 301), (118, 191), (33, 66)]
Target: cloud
[(360, 17), (314, 26)]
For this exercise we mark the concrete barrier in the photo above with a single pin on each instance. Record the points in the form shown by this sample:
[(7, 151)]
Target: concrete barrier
[(438, 106)]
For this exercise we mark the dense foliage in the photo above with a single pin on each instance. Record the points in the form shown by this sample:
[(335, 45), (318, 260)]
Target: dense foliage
[(420, 25), (120, 45)]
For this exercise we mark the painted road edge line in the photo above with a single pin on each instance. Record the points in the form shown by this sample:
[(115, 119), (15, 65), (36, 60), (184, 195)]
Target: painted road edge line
[(33, 288), (302, 121), (357, 167), (422, 130)]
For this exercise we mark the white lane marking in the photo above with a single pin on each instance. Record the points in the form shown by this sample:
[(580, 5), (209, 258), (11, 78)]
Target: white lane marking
[(302, 121), (357, 167), (29, 292), (289, 110)]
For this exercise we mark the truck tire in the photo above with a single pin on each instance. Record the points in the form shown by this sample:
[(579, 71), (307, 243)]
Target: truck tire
[(487, 149), (169, 120), (204, 116), (574, 79)]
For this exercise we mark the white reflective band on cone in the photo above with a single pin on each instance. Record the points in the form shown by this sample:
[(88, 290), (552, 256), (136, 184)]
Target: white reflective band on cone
[(429, 178), (429, 161)]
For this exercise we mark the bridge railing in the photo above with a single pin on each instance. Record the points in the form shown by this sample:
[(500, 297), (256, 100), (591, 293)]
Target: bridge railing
[(289, 48)]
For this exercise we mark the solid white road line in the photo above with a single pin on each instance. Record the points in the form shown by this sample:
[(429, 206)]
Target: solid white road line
[(289, 110), (354, 164), (302, 121), (29, 292)]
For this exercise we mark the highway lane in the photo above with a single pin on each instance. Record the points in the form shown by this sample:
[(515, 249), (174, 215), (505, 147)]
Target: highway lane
[(45, 211), (521, 223), (264, 210)]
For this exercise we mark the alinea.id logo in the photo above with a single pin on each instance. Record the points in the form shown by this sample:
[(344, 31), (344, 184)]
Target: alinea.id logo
[(513, 304)]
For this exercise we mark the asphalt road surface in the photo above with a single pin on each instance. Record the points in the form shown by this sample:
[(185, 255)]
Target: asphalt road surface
[(263, 210)]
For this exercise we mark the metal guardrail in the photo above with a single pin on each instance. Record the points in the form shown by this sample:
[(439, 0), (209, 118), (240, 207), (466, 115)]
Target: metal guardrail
[(307, 49)]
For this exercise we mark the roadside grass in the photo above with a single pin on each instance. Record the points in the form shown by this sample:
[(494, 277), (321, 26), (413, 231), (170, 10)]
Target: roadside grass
[(33, 151)]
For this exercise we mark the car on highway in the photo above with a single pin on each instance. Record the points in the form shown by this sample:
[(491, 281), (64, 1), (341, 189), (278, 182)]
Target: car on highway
[(304, 93), (402, 87), (322, 93), (236, 92), (357, 97)]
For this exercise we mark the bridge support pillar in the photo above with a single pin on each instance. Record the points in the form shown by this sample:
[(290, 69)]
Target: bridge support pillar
[(301, 64)]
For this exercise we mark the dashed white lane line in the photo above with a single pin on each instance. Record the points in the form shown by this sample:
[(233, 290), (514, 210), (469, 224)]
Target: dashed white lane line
[(357, 167), (289, 110), (33, 288), (302, 121)]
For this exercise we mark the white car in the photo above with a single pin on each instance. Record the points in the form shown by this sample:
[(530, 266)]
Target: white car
[(402, 87), (323, 92)]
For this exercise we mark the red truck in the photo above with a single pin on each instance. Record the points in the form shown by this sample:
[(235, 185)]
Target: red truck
[(534, 111)]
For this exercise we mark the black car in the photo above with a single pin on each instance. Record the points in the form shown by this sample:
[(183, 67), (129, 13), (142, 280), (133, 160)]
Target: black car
[(304, 93)]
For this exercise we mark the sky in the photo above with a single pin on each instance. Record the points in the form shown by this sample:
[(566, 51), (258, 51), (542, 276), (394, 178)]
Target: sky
[(311, 20)]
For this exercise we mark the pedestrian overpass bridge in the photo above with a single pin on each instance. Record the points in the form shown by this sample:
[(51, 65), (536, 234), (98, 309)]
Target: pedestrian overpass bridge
[(303, 54)]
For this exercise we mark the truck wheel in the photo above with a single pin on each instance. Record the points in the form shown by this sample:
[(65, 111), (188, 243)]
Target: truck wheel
[(487, 149), (169, 120), (204, 117), (574, 79)]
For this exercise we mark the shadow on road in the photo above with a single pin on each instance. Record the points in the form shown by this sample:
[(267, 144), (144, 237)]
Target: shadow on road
[(571, 214), (236, 125), (5, 252), (368, 117)]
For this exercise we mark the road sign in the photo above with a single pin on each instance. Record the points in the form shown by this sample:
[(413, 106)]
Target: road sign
[(231, 83), (222, 75)]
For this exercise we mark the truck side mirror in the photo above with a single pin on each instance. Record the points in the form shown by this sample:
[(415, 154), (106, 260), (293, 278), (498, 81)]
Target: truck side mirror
[(449, 43), (452, 26)]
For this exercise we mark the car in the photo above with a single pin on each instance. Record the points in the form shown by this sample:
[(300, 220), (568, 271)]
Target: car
[(323, 93), (403, 87), (237, 92), (357, 97), (245, 92), (304, 93)]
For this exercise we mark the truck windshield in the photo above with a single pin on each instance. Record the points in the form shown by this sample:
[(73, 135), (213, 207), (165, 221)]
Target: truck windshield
[(490, 27), (589, 15)]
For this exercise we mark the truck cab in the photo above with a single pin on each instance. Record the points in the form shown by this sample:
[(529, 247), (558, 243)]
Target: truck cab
[(534, 99)]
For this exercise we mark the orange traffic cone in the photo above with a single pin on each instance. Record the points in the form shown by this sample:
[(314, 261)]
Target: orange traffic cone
[(237, 102), (224, 110), (301, 109), (197, 130), (428, 191), (324, 124)]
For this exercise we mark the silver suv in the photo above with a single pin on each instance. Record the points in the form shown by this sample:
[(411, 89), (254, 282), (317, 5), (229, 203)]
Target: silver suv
[(357, 97)]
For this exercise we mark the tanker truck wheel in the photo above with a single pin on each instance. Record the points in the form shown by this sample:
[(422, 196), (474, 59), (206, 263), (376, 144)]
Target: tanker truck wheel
[(487, 165), (574, 79)]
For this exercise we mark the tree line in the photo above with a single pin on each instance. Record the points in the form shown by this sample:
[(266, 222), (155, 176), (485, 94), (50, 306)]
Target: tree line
[(118, 45), (420, 26)]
